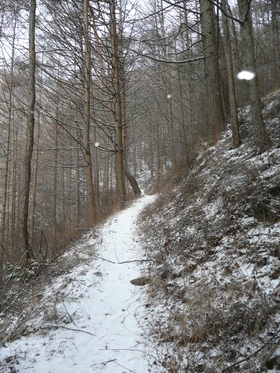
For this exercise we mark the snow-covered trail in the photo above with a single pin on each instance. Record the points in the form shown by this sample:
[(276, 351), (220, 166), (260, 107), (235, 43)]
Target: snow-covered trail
[(91, 327)]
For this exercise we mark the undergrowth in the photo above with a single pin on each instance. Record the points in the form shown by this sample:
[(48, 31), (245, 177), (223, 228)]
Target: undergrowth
[(213, 244)]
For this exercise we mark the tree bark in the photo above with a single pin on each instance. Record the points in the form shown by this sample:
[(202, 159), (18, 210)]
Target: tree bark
[(54, 201), (14, 206), (86, 133), (117, 110), (212, 76), (7, 159), (36, 171), (133, 183), (168, 91), (275, 32), (262, 139), (231, 84), (30, 136)]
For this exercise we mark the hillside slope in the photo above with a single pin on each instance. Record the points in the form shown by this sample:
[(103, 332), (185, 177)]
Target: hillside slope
[(212, 300), (214, 246)]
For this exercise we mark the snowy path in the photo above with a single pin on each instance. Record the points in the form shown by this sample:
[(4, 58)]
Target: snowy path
[(91, 326)]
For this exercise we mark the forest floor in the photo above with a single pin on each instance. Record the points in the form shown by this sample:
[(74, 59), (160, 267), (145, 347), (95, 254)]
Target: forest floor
[(207, 249)]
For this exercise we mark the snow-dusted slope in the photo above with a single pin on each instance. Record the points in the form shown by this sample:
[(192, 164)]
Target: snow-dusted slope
[(214, 246), (85, 320)]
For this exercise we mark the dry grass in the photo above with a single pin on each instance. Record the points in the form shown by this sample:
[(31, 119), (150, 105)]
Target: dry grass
[(22, 301), (211, 240)]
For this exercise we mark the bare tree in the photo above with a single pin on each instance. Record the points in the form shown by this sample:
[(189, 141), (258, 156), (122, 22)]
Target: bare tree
[(212, 74), (7, 152), (30, 136), (87, 118), (231, 82), (117, 109), (263, 141), (275, 9)]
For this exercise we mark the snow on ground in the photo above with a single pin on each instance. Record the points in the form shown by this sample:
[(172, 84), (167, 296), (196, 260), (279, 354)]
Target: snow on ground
[(214, 250), (91, 325)]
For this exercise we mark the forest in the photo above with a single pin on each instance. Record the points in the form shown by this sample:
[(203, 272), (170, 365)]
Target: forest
[(94, 93)]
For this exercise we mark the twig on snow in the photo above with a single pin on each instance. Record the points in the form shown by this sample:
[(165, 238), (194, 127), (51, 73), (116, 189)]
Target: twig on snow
[(136, 260), (104, 362), (122, 366), (68, 314), (116, 253), (65, 327), (251, 355), (124, 262), (129, 349)]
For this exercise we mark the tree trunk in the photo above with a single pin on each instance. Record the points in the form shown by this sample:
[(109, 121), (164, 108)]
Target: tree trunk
[(7, 160), (54, 202), (122, 96), (86, 133), (170, 120), (263, 141), (168, 91), (35, 173), (231, 84), (14, 202), (77, 185), (215, 112), (276, 41), (117, 109), (133, 182), (96, 176), (30, 136)]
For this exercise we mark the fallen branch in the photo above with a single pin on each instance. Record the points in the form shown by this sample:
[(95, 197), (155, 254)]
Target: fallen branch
[(126, 261), (270, 353), (137, 260), (129, 349), (252, 354), (65, 327), (105, 362), (70, 317), (122, 366)]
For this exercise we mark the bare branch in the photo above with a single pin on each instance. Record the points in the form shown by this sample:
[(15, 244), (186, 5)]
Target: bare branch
[(169, 62)]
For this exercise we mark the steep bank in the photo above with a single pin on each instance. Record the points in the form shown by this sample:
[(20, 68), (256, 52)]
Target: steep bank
[(214, 245)]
